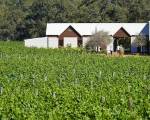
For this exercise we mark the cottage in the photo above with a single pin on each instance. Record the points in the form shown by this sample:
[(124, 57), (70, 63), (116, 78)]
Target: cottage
[(77, 34)]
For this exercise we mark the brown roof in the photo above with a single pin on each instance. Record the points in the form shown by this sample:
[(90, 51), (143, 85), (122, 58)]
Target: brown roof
[(121, 33)]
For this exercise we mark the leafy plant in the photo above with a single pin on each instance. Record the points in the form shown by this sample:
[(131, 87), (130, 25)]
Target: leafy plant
[(140, 41), (98, 41), (60, 84)]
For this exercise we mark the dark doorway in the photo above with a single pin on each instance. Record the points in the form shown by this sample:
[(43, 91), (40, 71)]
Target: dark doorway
[(122, 38), (124, 42)]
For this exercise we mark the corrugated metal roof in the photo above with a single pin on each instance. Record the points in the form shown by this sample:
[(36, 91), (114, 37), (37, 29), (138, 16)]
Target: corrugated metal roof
[(89, 28)]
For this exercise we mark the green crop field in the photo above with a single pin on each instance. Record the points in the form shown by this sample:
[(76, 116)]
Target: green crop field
[(67, 84)]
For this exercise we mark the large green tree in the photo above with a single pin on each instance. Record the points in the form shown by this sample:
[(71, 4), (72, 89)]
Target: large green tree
[(20, 19)]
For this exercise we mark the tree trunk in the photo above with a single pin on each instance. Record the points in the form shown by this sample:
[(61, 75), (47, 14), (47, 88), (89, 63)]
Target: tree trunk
[(97, 49)]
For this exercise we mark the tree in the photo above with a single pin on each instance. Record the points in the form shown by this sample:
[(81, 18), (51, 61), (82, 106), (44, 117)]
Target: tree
[(116, 15), (140, 41), (20, 19), (98, 40), (11, 19)]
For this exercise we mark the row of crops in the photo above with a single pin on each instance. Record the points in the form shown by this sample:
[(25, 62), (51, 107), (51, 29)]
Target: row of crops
[(67, 84)]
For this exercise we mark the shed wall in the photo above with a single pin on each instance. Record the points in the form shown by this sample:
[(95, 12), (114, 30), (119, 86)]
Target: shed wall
[(110, 47), (36, 42), (53, 42), (149, 30), (133, 48), (72, 41), (85, 40)]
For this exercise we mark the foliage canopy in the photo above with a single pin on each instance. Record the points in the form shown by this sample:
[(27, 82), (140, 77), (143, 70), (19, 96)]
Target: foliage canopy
[(67, 84), (98, 40), (21, 19)]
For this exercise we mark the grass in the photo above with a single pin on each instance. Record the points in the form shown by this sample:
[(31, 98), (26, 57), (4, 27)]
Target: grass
[(66, 84)]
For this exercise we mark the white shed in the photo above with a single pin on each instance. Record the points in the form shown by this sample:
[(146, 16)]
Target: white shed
[(36, 42), (77, 34)]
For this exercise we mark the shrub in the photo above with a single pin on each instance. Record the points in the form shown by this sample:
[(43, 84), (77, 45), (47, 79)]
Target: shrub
[(64, 84), (98, 40), (104, 51), (140, 41)]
